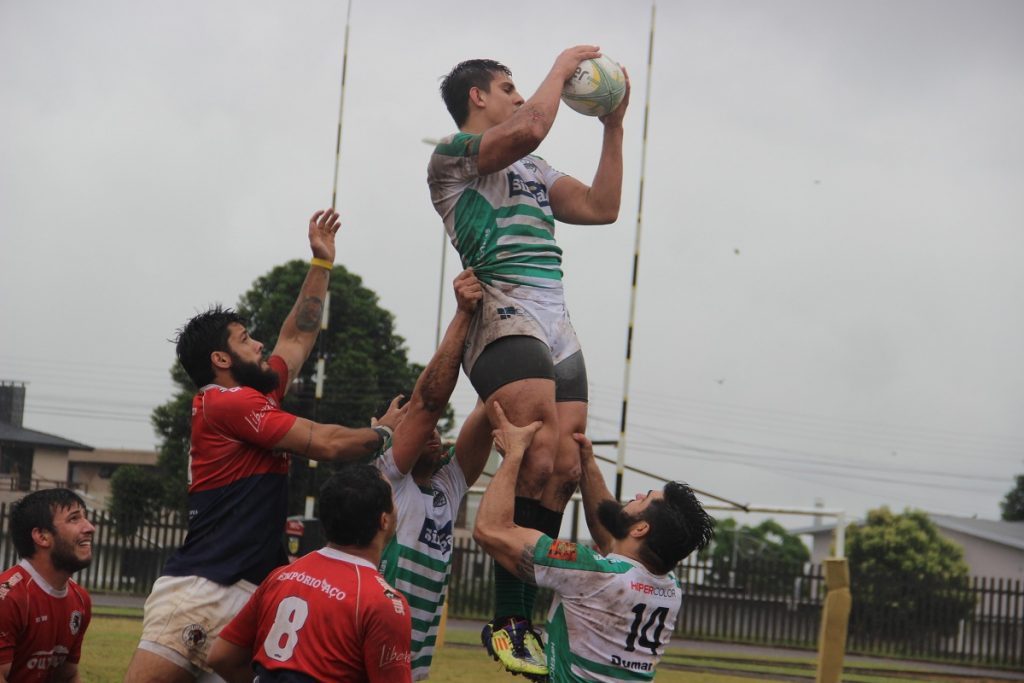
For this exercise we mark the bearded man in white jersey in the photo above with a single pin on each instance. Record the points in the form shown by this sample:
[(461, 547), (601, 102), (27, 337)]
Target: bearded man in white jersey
[(499, 203), (613, 612)]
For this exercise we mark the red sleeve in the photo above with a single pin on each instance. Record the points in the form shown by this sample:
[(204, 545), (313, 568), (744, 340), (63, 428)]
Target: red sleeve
[(241, 631), (76, 649), (278, 365), (247, 415), (12, 621), (387, 641)]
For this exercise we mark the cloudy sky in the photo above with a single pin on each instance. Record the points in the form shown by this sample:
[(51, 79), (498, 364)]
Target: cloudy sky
[(829, 300)]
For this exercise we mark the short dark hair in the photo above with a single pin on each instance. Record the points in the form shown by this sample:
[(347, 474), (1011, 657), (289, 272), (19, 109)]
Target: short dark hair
[(351, 503), (35, 511), (472, 73), (678, 526), (202, 335)]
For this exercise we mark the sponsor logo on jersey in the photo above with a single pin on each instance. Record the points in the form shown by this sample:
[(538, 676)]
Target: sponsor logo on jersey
[(47, 659), (440, 500), (506, 312), (389, 654), (305, 579), (648, 589), (562, 550), (632, 665), (194, 636), (7, 585), (438, 539), (389, 592), (75, 622), (517, 186), (255, 418), (396, 603)]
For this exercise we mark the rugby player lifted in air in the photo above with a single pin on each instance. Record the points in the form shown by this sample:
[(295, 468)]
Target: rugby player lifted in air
[(613, 612), (238, 471), (499, 204)]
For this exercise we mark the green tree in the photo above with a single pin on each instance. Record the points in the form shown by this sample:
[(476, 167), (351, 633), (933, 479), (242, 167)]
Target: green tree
[(908, 582), (1013, 504), (366, 366), (136, 497), (757, 559)]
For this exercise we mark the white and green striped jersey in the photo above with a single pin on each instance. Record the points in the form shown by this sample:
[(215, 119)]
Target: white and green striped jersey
[(501, 223), (417, 561), (610, 619)]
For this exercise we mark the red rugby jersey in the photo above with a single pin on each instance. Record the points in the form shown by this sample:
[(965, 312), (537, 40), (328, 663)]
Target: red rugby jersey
[(329, 616), (238, 486), (41, 628)]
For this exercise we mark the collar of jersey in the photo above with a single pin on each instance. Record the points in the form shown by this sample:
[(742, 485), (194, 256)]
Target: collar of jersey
[(37, 577), (344, 557)]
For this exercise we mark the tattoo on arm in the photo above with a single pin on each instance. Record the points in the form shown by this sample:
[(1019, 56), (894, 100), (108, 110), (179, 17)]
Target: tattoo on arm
[(308, 313), (525, 567)]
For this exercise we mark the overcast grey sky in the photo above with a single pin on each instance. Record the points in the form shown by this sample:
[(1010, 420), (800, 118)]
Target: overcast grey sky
[(830, 275)]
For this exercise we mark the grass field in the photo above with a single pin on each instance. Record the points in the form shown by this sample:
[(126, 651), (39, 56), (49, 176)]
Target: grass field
[(113, 635)]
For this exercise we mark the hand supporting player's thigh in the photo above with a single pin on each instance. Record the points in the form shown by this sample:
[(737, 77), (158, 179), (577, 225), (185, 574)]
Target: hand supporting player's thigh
[(526, 401), (565, 476)]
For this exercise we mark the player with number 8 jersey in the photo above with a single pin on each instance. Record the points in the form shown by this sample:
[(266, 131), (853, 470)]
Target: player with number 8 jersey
[(328, 616)]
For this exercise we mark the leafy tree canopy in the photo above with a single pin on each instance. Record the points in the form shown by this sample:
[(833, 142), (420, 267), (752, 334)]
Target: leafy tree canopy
[(907, 580), (761, 558), (1013, 504), (366, 366)]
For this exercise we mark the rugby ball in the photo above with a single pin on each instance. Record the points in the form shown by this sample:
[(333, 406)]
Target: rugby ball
[(596, 88)]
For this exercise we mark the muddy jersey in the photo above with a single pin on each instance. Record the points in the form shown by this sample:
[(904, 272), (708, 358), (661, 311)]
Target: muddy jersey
[(610, 620), (501, 224), (238, 486), (418, 559), (328, 616), (41, 628)]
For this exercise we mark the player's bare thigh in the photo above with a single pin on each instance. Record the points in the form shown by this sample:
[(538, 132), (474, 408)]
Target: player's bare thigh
[(518, 372), (571, 396), (565, 477)]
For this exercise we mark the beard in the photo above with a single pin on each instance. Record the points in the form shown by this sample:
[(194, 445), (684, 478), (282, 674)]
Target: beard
[(64, 559), (253, 375), (615, 519)]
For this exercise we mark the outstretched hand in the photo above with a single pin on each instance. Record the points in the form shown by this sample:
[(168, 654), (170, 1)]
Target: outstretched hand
[(323, 226), (614, 118), (393, 415), (468, 291), (509, 437)]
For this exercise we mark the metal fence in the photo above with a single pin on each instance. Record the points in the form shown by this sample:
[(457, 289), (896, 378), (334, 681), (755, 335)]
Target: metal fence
[(124, 563), (761, 603)]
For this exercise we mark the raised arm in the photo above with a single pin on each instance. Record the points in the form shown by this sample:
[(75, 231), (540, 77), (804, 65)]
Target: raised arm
[(300, 328), (437, 381), (574, 202), (523, 132), (337, 443), (473, 446), (594, 492), (510, 545)]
